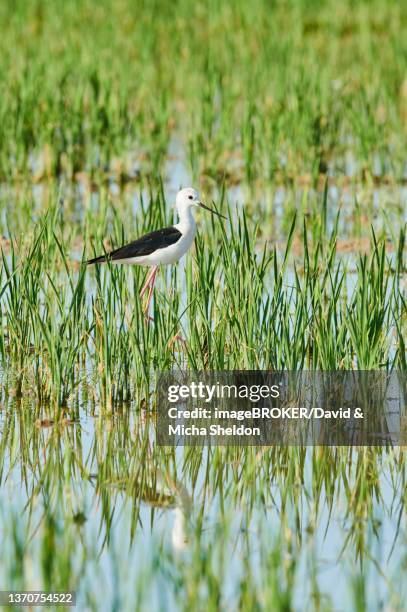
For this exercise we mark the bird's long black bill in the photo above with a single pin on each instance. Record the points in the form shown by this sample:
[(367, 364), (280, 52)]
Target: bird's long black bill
[(214, 212)]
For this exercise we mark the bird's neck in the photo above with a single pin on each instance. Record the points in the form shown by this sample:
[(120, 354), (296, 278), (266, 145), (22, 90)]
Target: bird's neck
[(186, 223)]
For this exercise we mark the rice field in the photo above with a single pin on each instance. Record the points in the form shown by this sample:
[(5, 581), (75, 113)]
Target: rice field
[(291, 118)]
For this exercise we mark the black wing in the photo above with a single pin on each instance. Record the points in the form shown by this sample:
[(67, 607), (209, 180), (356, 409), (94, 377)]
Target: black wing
[(145, 245)]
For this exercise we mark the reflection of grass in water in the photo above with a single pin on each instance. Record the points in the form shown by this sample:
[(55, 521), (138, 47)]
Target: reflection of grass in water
[(262, 98), (252, 520)]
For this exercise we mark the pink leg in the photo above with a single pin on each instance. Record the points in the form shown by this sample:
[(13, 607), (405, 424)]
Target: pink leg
[(178, 338), (150, 275), (150, 293)]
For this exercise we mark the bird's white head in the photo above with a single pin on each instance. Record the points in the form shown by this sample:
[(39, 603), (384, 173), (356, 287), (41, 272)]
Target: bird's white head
[(186, 198), (189, 197)]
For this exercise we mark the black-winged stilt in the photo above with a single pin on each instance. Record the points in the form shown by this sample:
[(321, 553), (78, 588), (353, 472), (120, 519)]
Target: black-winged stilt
[(163, 246)]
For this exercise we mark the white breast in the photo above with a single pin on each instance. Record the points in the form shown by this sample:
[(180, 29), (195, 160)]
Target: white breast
[(172, 253)]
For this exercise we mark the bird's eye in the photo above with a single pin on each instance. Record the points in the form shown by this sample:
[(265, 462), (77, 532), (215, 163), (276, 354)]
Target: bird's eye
[(190, 198)]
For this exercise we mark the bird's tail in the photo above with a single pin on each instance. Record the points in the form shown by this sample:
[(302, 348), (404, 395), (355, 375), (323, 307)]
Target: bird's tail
[(96, 260)]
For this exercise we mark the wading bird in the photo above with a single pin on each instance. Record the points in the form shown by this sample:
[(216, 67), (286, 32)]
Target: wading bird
[(162, 247)]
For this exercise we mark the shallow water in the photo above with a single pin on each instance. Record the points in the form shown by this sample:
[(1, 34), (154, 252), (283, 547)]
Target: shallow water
[(164, 540), (380, 203), (137, 523)]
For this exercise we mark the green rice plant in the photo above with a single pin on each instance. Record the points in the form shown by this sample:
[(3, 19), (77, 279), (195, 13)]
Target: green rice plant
[(306, 157)]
